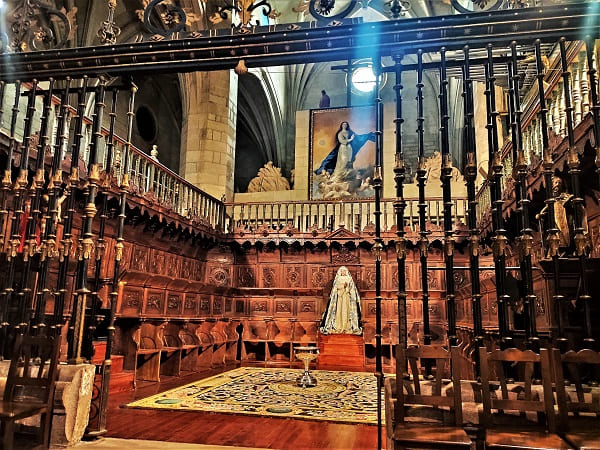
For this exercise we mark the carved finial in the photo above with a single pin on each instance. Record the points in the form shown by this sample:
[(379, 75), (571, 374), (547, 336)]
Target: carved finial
[(154, 153)]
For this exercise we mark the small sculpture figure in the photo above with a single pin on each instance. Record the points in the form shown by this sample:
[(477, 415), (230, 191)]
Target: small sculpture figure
[(564, 215), (325, 100), (342, 314)]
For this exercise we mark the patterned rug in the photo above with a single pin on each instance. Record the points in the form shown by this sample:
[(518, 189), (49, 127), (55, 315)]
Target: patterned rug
[(338, 396)]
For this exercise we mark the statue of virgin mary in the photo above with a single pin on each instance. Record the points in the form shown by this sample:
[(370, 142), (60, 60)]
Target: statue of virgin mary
[(343, 309)]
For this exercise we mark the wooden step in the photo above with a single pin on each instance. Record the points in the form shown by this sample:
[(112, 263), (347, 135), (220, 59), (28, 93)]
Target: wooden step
[(343, 351), (121, 381)]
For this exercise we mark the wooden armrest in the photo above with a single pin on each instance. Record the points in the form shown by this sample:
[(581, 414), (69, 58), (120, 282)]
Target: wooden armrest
[(147, 351), (170, 349)]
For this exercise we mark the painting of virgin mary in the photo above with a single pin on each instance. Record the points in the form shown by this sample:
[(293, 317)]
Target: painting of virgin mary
[(342, 153)]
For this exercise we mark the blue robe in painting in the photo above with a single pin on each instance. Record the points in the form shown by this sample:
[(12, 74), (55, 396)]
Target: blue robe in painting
[(328, 163)]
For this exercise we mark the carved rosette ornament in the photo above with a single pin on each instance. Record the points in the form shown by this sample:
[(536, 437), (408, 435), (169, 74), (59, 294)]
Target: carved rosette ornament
[(219, 277)]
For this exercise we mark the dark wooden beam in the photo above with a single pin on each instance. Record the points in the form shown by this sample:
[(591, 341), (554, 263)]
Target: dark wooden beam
[(298, 43)]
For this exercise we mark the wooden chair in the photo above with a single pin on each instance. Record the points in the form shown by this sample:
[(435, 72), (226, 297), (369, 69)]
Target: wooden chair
[(254, 340), (148, 341), (171, 350), (513, 430), (578, 408), (30, 385), (404, 434), (190, 345), (205, 351)]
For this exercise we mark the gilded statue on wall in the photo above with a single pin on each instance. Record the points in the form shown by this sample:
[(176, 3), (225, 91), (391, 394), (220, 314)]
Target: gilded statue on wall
[(342, 315)]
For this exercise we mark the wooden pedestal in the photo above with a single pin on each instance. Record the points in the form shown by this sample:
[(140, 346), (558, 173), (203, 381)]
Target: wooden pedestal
[(341, 352)]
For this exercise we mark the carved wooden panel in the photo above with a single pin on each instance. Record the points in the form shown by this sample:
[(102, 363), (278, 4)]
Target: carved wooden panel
[(217, 305), (186, 269), (436, 311), (126, 258), (228, 306), (131, 303), (204, 306), (219, 276), (294, 276), (318, 277), (307, 308), (369, 278), (155, 303), (240, 306), (174, 304), (259, 306), (283, 307), (269, 275), (246, 277), (343, 256), (139, 259), (173, 265), (190, 305), (198, 270), (157, 262)]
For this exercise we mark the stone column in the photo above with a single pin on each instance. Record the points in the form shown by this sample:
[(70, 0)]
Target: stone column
[(208, 131)]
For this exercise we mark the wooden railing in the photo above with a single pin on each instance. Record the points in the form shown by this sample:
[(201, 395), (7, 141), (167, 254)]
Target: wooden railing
[(355, 215), (148, 177), (557, 119)]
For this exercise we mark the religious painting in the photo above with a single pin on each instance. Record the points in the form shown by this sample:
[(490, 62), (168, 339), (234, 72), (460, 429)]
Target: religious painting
[(342, 153)]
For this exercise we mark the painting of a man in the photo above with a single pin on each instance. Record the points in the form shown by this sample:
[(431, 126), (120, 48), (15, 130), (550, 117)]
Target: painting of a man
[(342, 153)]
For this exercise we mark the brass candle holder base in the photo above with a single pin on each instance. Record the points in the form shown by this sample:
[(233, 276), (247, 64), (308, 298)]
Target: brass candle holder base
[(306, 354)]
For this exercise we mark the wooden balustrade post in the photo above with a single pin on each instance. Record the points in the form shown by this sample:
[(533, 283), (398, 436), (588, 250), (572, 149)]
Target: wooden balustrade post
[(399, 208), (85, 247), (378, 247), (525, 240), (114, 291), (499, 239), (6, 187), (19, 213), (60, 315), (552, 232), (423, 243), (470, 176), (96, 301), (446, 178), (55, 177), (33, 229)]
